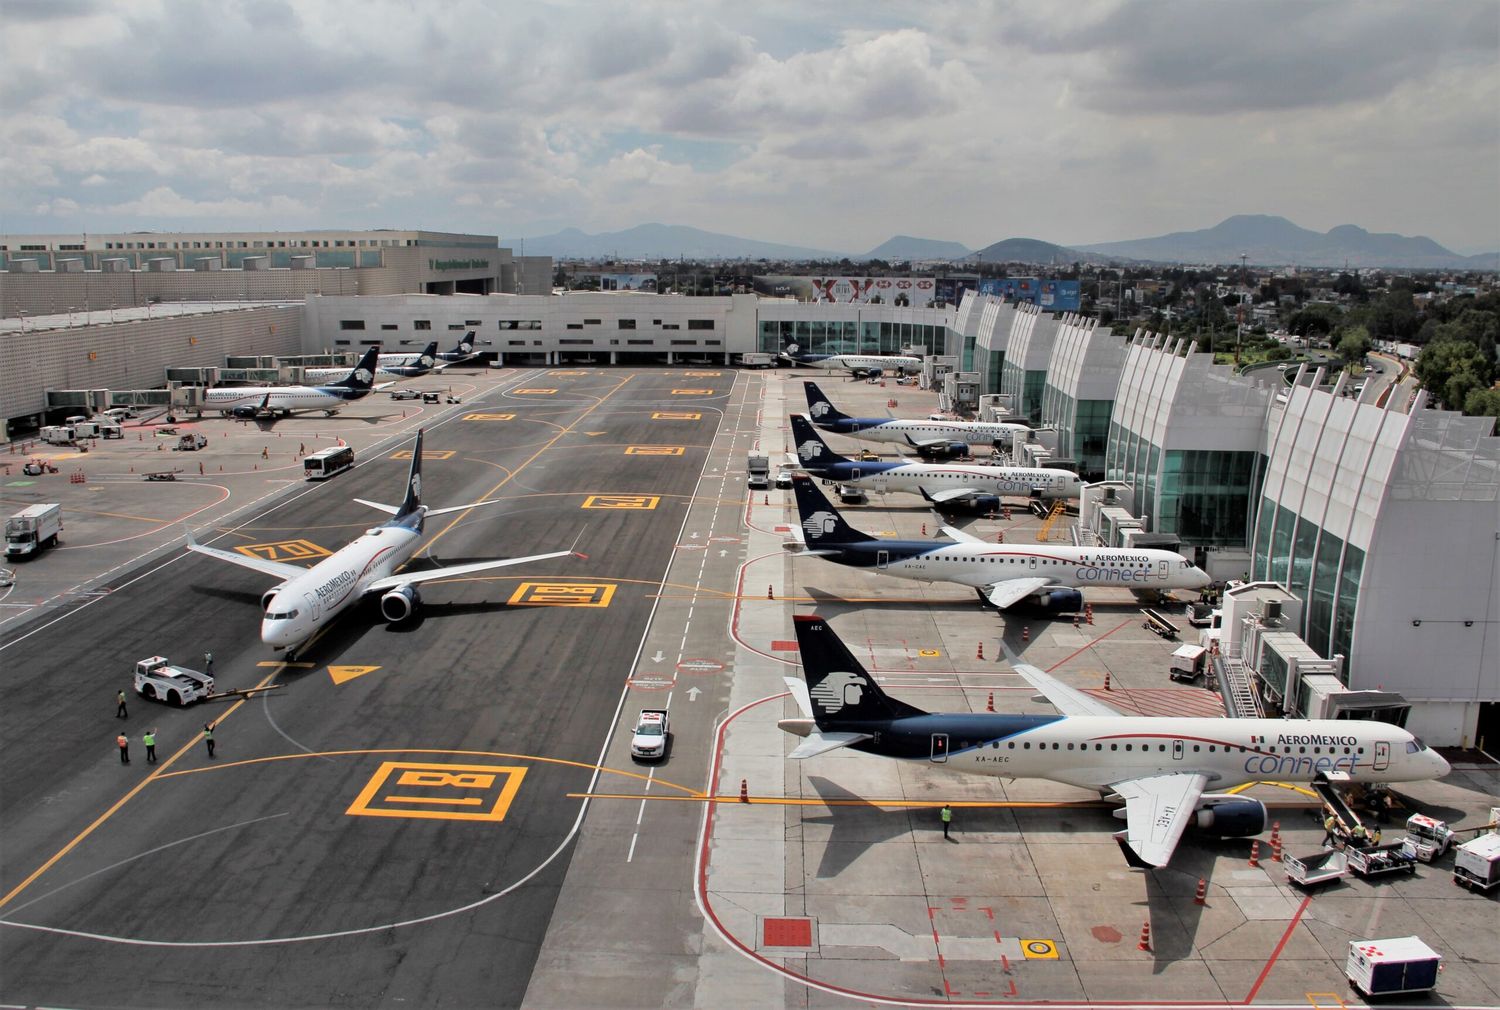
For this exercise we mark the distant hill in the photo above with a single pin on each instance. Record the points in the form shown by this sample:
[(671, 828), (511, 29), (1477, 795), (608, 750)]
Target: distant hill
[(1267, 240), (1028, 250), (658, 241), (904, 247)]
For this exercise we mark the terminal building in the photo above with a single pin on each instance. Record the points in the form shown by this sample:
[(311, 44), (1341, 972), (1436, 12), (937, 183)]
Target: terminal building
[(1380, 518)]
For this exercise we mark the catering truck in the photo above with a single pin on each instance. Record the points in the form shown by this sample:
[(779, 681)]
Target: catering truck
[(1401, 965), (1476, 863), (32, 530)]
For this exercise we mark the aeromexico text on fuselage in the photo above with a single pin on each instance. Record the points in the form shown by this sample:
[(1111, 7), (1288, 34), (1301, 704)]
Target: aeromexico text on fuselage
[(1233, 751), (935, 477), (927, 559), (857, 363)]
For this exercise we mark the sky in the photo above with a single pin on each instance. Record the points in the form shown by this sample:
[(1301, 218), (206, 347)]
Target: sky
[(832, 126)]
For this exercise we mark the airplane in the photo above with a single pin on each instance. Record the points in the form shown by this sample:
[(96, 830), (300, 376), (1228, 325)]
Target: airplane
[(463, 352), (1043, 576), (406, 365), (930, 438), (866, 366), (939, 482), (306, 599), (254, 402), (1159, 767)]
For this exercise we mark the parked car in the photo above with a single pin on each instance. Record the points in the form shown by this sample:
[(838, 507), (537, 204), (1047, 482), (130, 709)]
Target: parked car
[(404, 394)]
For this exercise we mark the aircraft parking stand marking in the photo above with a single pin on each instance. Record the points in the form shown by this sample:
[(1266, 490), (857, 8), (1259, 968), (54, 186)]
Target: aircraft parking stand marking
[(702, 375), (340, 674), (562, 594), (426, 454), (468, 785), (675, 415), (692, 392), (284, 550), (654, 450), (488, 417), (621, 501), (534, 392)]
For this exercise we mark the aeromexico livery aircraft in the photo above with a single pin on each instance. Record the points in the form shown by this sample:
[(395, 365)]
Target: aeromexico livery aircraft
[(860, 365), (260, 401), (924, 436), (939, 482), (1160, 767), (406, 365), (1046, 576), (463, 352), (309, 598)]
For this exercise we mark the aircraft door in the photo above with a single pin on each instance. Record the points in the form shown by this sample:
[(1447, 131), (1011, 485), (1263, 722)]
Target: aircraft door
[(882, 559), (1033, 562), (1161, 570), (854, 473), (1382, 756), (939, 748), (1177, 750), (314, 606)]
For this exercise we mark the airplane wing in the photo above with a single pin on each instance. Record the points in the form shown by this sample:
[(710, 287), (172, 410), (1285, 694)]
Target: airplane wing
[(265, 566), (952, 494), (1067, 700), (1157, 809), (1013, 591), (411, 578), (954, 533), (392, 509)]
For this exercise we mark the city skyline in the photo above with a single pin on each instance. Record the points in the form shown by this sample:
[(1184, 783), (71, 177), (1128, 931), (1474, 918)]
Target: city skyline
[(831, 129)]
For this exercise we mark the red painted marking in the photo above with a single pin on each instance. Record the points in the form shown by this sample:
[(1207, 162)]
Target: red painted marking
[(783, 645), (981, 993), (987, 910), (942, 964), (948, 989), (997, 938), (786, 932), (1004, 961), (930, 911), (1012, 989), (1271, 963), (1090, 645)]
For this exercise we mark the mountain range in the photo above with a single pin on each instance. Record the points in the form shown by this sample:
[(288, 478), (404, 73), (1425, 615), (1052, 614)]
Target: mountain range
[(1263, 240)]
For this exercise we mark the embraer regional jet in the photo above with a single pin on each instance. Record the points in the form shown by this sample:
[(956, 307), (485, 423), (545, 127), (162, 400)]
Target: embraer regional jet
[(309, 598), (1045, 576), (403, 364), (941, 483), (861, 365), (1159, 767), (927, 437)]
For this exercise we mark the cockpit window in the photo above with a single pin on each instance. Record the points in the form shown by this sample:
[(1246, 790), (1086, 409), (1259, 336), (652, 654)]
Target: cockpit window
[(1415, 745), (286, 616)]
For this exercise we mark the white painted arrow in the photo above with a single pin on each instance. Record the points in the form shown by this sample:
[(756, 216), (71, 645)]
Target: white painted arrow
[(723, 553), (658, 657), (693, 693)]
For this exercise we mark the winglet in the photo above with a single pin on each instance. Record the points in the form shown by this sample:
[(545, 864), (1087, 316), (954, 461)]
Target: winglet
[(1131, 857)]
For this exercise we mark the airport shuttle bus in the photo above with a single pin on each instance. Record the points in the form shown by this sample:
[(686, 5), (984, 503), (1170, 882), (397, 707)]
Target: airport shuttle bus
[(325, 463)]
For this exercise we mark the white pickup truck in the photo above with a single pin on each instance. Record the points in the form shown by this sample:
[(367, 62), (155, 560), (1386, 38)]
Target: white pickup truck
[(158, 680), (649, 741)]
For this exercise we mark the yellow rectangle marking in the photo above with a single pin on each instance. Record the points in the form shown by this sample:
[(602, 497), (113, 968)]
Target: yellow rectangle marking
[(562, 594), (692, 392), (676, 415), (702, 375), (653, 450), (489, 417), (557, 372), (284, 550), (534, 392), (495, 785), (426, 454), (622, 501)]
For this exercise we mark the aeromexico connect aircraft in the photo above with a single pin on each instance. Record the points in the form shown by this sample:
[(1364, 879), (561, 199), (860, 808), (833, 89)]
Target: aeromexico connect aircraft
[(306, 599), (939, 482), (927, 437), (405, 365), (463, 352), (1044, 576), (1160, 767), (251, 402), (868, 366)]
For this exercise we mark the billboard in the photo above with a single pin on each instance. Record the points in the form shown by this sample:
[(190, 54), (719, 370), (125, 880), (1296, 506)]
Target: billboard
[(1054, 296)]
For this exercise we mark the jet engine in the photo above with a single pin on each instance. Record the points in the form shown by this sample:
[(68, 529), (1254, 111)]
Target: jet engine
[(1230, 816), (400, 604), (244, 413), (975, 505), (945, 450)]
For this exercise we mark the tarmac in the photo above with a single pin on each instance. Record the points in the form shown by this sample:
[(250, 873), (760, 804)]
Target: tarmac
[(302, 867)]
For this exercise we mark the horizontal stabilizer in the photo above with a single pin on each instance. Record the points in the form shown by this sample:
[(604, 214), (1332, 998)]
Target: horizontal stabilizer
[(1067, 700), (389, 510), (460, 508), (821, 743)]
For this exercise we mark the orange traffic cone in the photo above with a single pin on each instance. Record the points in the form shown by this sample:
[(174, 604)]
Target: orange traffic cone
[(770, 592), (1145, 943), (1201, 897), (1026, 633), (744, 791), (990, 705), (1255, 853), (980, 653), (1106, 680)]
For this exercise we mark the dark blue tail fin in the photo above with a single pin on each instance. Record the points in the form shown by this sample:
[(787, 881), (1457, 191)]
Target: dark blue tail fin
[(362, 378), (465, 344), (842, 691), (811, 449), (822, 526), (428, 357), (819, 407), (413, 499)]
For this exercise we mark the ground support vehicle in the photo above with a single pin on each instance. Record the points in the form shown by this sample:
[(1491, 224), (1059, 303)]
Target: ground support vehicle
[(191, 442), (1157, 622), (1187, 662), (1314, 868), (760, 472), (649, 741), (158, 680), (404, 394), (1427, 838), (59, 434), (1377, 860), (1399, 965), (32, 530), (1476, 863)]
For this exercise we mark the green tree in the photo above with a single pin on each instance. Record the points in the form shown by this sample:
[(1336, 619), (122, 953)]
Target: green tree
[(1482, 403), (1451, 369), (1353, 344), (1315, 320)]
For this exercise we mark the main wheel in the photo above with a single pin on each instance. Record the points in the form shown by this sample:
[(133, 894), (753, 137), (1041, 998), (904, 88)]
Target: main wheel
[(174, 698), (149, 691)]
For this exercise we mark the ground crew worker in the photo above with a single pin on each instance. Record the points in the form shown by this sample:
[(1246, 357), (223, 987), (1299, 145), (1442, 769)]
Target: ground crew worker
[(150, 741), (1359, 836), (208, 663), (208, 737), (1330, 830), (120, 712), (947, 814), (124, 743), (1375, 837)]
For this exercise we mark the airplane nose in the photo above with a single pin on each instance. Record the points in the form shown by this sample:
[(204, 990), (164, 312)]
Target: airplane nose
[(1442, 764)]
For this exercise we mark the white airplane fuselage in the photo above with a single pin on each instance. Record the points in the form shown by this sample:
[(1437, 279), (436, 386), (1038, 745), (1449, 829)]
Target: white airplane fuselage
[(883, 363), (907, 432), (401, 366), (1092, 752), (301, 606), (276, 398), (914, 478)]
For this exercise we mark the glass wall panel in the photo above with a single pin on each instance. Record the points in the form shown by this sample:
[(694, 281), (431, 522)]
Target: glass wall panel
[(1343, 609), (1321, 594)]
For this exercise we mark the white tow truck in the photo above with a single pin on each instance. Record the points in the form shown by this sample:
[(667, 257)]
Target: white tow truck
[(649, 741), (158, 680)]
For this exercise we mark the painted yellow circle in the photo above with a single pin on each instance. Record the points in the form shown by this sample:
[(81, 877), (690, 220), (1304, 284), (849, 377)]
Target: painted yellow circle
[(1042, 949), (929, 653)]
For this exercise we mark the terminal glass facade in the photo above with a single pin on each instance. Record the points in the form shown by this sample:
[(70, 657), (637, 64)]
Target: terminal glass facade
[(1024, 386), (849, 336), (1202, 495), (1316, 565), (1082, 428)]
